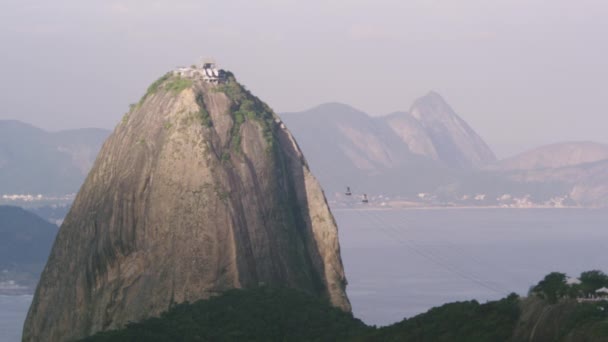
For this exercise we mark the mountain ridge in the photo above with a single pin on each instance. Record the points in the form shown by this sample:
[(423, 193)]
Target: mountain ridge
[(395, 155), (33, 160), (25, 244), (555, 155), (454, 141), (391, 154), (422, 129)]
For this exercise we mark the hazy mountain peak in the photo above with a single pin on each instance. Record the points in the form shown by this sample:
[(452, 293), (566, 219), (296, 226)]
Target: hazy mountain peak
[(432, 128), (432, 106), (431, 103), (433, 97)]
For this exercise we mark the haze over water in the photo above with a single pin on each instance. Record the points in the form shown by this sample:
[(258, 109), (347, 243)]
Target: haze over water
[(403, 262), (400, 263), (13, 310)]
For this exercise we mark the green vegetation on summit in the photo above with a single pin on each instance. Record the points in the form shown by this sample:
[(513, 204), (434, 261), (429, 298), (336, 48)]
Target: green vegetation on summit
[(245, 105)]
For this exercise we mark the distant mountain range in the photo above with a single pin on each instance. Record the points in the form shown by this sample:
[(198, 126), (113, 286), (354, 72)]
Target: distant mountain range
[(431, 156), (580, 168), (555, 156), (430, 129), (427, 155), (40, 162), (402, 152), (345, 146)]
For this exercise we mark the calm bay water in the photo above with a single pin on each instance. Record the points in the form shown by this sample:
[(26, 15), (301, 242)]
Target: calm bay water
[(13, 310), (403, 262)]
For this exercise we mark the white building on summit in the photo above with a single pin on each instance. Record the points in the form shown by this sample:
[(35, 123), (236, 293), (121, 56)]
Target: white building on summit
[(208, 71), (212, 74)]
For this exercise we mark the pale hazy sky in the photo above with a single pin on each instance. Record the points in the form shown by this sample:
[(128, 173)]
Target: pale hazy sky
[(521, 72)]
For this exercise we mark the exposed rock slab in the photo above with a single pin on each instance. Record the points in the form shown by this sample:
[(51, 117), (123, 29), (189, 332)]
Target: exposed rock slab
[(199, 189)]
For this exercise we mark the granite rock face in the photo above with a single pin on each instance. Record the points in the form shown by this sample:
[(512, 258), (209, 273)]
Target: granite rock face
[(200, 188)]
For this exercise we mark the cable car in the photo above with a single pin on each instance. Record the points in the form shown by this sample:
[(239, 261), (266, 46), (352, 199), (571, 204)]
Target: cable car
[(365, 200), (348, 193)]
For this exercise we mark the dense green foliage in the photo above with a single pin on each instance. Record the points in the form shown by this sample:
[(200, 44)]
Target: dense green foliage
[(592, 316), (153, 88), (176, 84), (246, 106), (463, 321), (169, 82), (555, 287), (261, 314), (552, 287), (268, 314), (592, 281)]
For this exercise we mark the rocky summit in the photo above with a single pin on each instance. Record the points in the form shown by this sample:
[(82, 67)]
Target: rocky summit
[(201, 188)]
